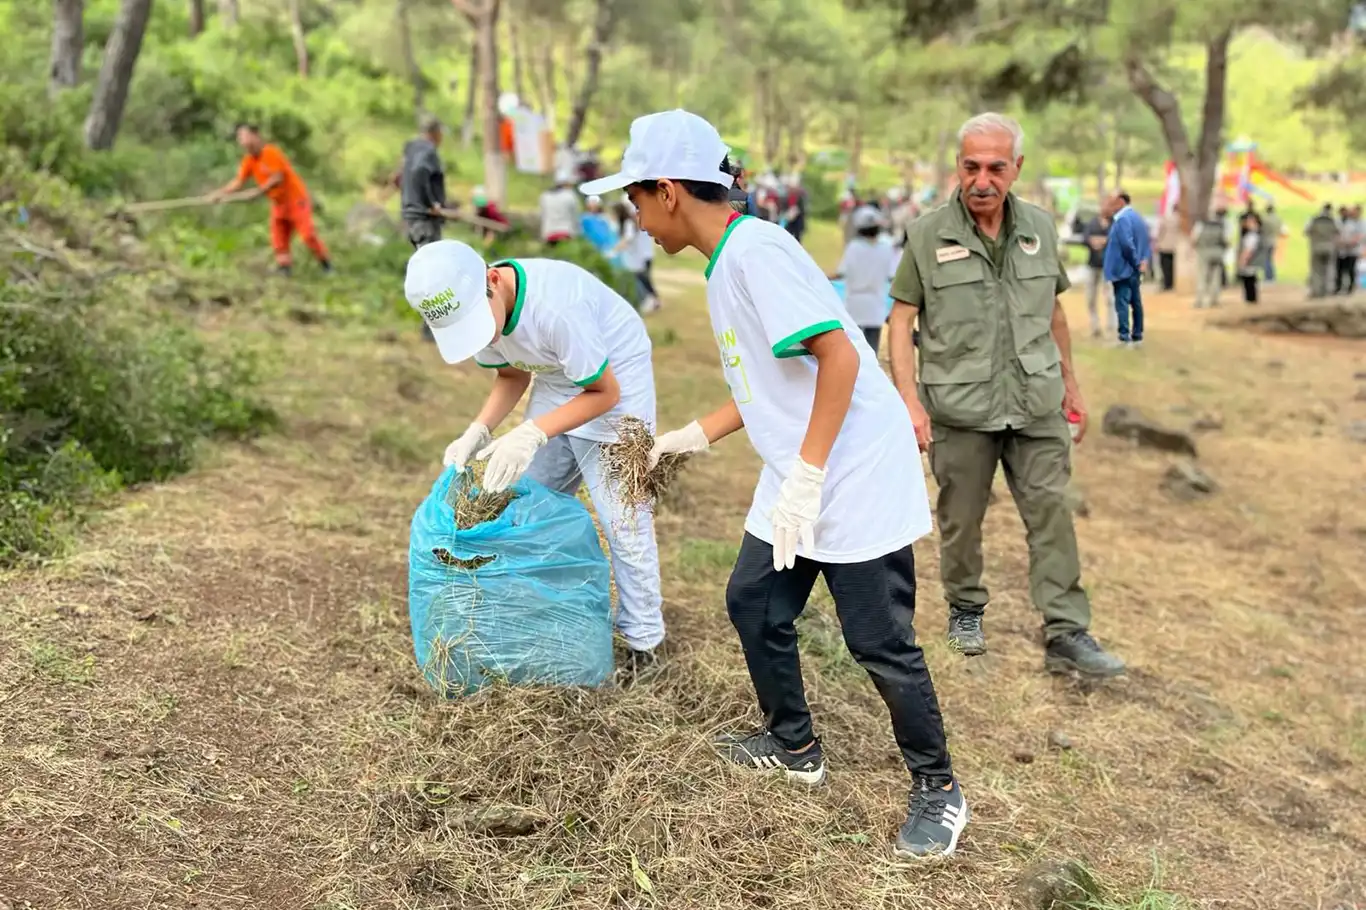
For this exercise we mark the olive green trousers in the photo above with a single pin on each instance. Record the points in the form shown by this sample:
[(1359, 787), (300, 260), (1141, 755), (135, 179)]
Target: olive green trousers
[(1037, 465)]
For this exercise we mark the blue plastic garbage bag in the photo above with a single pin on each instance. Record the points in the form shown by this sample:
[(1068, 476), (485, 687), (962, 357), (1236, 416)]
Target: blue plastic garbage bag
[(524, 598)]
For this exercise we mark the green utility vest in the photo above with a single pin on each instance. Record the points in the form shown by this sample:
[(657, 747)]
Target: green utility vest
[(1211, 239), (1323, 235), (987, 356)]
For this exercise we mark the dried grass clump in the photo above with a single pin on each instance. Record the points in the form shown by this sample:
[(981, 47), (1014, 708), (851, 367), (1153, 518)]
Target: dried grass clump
[(475, 508), (627, 463)]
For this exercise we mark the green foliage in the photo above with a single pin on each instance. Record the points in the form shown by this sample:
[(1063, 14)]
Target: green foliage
[(518, 242), (93, 396)]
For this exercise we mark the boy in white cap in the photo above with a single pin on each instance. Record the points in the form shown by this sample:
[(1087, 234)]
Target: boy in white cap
[(590, 354), (841, 493), (867, 268)]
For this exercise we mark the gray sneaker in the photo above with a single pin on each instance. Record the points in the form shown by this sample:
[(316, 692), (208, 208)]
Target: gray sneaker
[(965, 631), (762, 751), (936, 821), (1080, 653)]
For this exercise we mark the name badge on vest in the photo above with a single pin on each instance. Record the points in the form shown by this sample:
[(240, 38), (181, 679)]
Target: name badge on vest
[(951, 254)]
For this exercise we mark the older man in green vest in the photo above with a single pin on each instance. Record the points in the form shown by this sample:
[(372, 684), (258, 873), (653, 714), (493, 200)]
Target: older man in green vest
[(995, 385)]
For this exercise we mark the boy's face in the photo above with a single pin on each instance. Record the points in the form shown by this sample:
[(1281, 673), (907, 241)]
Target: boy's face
[(656, 214), (498, 291)]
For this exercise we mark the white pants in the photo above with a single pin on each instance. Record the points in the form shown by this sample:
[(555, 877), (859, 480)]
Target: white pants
[(560, 465)]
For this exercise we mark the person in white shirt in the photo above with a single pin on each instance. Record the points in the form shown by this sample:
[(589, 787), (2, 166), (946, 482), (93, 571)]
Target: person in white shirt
[(866, 268), (637, 253), (590, 355), (838, 495), (560, 209)]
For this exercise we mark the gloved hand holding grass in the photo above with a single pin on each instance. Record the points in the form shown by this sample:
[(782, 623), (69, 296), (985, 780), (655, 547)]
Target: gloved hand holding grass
[(462, 451), (510, 455)]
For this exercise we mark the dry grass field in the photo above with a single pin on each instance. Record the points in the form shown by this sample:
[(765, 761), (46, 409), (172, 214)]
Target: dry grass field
[(212, 702)]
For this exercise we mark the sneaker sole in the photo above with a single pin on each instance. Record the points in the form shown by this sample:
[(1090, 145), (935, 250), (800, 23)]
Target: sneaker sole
[(1061, 666), (938, 854), (967, 652), (808, 778)]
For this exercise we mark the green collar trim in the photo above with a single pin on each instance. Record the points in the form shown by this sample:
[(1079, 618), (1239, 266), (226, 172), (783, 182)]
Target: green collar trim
[(521, 293), (716, 253)]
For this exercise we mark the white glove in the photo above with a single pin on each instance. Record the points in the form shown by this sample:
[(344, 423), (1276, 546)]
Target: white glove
[(510, 455), (678, 442), (462, 450), (794, 518)]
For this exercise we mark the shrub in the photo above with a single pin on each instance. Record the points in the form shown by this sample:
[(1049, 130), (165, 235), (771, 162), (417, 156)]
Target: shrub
[(93, 396)]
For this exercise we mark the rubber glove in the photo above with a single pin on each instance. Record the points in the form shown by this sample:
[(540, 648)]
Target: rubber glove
[(794, 517), (679, 442), (459, 453), (510, 455)]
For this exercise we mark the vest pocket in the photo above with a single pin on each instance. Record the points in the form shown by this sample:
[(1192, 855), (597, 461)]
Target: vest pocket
[(957, 393), (1043, 380)]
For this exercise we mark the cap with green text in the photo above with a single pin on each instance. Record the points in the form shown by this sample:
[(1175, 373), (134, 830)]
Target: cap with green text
[(447, 283)]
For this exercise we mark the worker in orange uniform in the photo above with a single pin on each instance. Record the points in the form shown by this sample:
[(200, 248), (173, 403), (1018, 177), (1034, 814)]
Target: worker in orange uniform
[(291, 210)]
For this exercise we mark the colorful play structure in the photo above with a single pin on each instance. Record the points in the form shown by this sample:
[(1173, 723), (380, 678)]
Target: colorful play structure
[(1244, 176)]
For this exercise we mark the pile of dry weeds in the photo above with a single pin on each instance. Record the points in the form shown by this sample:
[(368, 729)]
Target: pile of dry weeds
[(627, 463)]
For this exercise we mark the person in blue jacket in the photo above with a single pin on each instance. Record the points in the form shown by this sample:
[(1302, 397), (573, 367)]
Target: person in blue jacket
[(1127, 254)]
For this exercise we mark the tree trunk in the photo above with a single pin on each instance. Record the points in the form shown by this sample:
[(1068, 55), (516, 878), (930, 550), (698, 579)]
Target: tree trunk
[(1121, 155), (120, 58), (1195, 165), (68, 44), (941, 163), (495, 172), (405, 38), (856, 151), (796, 141), (296, 28), (471, 94), (227, 11), (196, 17), (550, 73), (603, 22), (515, 48)]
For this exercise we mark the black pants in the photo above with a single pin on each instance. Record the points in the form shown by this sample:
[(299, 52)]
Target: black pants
[(873, 335), (1249, 288), (875, 601), (647, 286), (1347, 274), (1168, 261), (421, 233)]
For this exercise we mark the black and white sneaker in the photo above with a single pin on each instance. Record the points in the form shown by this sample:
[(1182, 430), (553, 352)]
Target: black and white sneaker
[(763, 752), (937, 819)]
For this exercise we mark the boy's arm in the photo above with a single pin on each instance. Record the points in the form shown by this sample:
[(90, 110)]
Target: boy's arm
[(597, 398), (507, 390), (837, 366)]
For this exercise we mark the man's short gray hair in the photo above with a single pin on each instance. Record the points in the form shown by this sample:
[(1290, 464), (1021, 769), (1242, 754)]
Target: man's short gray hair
[(994, 123)]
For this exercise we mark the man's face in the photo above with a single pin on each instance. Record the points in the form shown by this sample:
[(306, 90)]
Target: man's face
[(987, 169), (249, 140), (434, 136), (656, 214)]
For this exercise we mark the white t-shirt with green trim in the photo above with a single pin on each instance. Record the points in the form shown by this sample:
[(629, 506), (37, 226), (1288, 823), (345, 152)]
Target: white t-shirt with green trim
[(766, 297), (566, 327)]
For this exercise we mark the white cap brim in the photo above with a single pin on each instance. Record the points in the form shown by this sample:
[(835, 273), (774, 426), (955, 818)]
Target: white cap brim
[(467, 337), (604, 185)]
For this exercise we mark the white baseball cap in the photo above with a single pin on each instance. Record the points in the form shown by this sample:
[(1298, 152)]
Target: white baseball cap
[(864, 217), (447, 282), (673, 145)]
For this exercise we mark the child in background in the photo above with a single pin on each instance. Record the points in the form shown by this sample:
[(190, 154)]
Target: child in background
[(637, 252), (837, 496), (487, 209), (867, 268)]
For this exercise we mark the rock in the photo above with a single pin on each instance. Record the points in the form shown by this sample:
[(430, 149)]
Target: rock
[(1207, 422), (1187, 481), (1275, 364), (499, 821), (1055, 885), (1356, 430), (1361, 394), (1129, 423), (1023, 756), (1059, 740), (1360, 375)]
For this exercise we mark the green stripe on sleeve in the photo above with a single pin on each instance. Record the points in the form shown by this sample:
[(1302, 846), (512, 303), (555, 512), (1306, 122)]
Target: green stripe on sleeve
[(492, 366), (592, 379), (791, 346)]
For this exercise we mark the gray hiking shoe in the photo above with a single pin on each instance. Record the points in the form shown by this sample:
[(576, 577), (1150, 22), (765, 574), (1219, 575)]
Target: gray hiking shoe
[(762, 751), (1080, 653), (965, 631), (937, 819)]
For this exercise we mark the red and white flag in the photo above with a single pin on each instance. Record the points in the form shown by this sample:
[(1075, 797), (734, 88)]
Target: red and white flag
[(1171, 190)]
